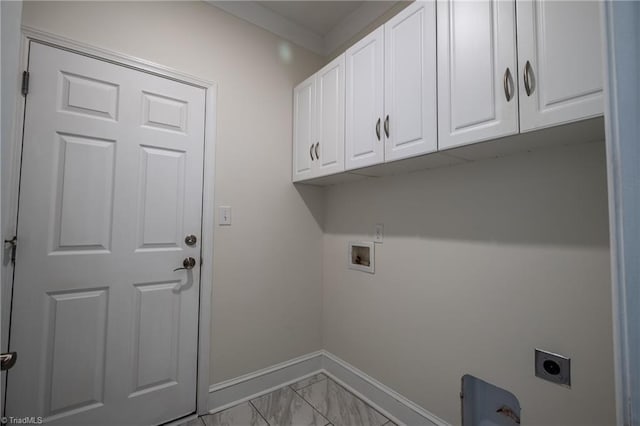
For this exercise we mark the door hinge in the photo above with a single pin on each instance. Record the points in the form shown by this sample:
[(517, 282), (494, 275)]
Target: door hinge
[(25, 83), (12, 244)]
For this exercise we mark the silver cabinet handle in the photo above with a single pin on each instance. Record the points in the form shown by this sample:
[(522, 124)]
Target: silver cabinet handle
[(378, 129), (188, 263), (505, 83), (317, 145), (527, 83), (311, 151), (386, 126)]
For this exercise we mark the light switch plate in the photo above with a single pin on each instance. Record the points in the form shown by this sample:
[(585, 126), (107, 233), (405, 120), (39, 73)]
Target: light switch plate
[(224, 215), (378, 233)]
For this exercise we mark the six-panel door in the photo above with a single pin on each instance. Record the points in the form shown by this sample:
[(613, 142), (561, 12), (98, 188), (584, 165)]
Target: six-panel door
[(111, 183), (477, 86)]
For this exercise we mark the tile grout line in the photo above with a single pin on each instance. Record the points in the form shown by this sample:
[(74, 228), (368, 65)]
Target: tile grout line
[(259, 413), (329, 422), (310, 384), (357, 398)]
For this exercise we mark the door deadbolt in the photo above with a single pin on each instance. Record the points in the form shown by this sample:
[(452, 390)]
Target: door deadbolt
[(188, 263), (190, 240)]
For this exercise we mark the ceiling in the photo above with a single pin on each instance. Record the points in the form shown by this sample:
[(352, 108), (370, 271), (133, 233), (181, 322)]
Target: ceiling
[(320, 26), (317, 16)]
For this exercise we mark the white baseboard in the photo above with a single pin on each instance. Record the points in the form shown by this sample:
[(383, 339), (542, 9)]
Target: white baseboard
[(231, 392), (384, 399), (389, 402)]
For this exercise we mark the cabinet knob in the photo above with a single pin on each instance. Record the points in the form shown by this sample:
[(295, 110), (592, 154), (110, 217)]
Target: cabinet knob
[(316, 150), (311, 151), (378, 129)]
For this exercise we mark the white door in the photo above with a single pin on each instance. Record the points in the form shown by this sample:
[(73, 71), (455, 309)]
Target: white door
[(560, 52), (410, 104), (105, 330), (364, 109), (330, 117), (477, 77), (303, 129)]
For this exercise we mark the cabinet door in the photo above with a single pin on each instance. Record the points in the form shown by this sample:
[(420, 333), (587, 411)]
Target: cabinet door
[(364, 83), (410, 82), (303, 129), (330, 117), (559, 49), (477, 95)]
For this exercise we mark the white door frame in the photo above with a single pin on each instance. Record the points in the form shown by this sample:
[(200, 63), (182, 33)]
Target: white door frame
[(208, 206), (622, 108)]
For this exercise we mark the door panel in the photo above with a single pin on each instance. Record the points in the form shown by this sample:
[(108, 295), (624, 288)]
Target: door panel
[(410, 82), (164, 113), (86, 170), (476, 45), (162, 184), (566, 62), (155, 343), (84, 95), (76, 373), (111, 183), (364, 101)]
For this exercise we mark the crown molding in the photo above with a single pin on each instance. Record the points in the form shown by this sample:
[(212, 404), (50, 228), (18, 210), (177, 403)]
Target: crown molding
[(254, 13), (353, 23)]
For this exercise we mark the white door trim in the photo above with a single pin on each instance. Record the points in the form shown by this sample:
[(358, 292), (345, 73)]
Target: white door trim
[(208, 209), (622, 106)]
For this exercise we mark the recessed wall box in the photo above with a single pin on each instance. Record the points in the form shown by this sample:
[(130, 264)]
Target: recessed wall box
[(361, 256), (553, 367)]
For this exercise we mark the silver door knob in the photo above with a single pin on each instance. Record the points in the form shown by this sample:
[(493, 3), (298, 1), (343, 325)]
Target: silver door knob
[(188, 263)]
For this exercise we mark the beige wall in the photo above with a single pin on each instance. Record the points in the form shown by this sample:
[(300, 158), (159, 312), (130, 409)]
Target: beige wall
[(267, 290), (480, 264)]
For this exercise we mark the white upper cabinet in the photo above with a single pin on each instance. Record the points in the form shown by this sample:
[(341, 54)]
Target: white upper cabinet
[(410, 101), (477, 71), (447, 73), (330, 118), (303, 128), (318, 123), (560, 62), (364, 102)]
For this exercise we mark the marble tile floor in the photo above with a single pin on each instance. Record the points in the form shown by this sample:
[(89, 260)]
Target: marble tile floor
[(314, 401)]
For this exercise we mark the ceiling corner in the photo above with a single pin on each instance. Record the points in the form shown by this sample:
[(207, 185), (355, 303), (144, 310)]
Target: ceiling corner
[(254, 13)]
